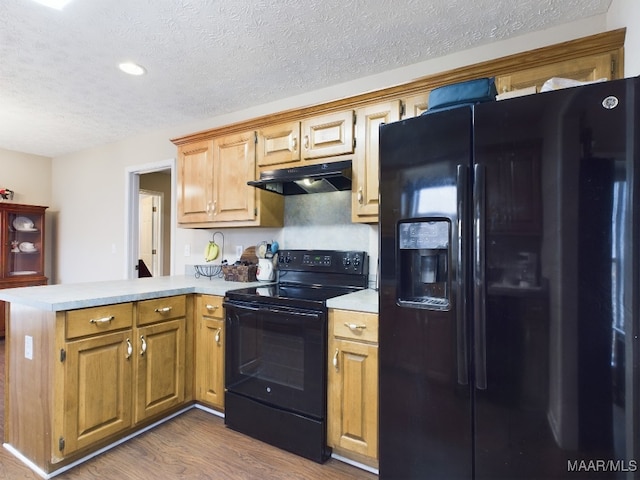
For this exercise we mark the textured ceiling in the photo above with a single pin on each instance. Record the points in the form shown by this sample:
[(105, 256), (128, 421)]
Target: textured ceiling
[(60, 90)]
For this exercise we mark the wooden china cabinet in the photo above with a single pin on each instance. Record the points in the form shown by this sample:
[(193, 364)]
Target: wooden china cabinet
[(22, 245)]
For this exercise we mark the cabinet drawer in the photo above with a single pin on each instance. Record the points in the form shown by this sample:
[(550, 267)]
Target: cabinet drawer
[(354, 325), (98, 320), (211, 306), (159, 309)]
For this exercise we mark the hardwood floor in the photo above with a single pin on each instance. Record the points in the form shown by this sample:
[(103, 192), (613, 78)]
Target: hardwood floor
[(194, 445)]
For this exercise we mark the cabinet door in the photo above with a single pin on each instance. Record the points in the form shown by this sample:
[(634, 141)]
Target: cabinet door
[(353, 397), (210, 351), (582, 69), (365, 164), (279, 144), (160, 375), (415, 105), (195, 182), (97, 401), (234, 166), (21, 244), (327, 135)]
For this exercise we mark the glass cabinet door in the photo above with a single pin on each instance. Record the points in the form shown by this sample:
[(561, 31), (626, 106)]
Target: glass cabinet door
[(23, 245)]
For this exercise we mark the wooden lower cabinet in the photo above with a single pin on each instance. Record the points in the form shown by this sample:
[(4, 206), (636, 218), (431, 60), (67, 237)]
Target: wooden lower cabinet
[(159, 350), (79, 380), (98, 377), (160, 365), (352, 394), (209, 371)]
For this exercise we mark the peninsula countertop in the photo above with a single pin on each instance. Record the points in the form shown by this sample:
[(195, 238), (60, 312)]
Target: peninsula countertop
[(92, 294)]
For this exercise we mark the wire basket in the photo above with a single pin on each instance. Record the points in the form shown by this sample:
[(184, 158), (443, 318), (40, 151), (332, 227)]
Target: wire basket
[(209, 271)]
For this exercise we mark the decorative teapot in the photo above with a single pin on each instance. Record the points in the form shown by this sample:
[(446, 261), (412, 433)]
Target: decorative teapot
[(265, 272)]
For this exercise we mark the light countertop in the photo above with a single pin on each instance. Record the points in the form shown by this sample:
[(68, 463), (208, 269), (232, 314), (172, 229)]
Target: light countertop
[(360, 301), (92, 294)]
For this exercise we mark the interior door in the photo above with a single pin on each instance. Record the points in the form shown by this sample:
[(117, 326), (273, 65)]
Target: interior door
[(150, 233)]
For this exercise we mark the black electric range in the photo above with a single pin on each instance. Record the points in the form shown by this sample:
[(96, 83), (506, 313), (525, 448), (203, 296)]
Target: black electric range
[(276, 349), (308, 278)]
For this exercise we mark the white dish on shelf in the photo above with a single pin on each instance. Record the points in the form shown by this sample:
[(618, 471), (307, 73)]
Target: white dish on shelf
[(23, 272), (23, 224), (27, 247)]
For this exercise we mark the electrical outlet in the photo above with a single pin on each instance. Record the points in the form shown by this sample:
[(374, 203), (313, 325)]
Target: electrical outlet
[(239, 250), (187, 250), (28, 347)]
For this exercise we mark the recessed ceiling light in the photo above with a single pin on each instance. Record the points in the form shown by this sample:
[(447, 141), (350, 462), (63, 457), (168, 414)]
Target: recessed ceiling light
[(132, 68), (57, 4)]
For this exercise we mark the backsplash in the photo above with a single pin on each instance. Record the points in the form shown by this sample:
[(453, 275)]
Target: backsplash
[(317, 221), (323, 221)]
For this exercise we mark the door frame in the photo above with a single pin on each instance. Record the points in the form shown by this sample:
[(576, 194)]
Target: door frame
[(131, 214)]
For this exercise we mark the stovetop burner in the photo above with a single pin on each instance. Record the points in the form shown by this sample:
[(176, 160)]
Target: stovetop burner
[(308, 278), (291, 295)]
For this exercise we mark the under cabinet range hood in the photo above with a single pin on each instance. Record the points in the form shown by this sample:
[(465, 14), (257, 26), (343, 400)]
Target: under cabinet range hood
[(321, 178)]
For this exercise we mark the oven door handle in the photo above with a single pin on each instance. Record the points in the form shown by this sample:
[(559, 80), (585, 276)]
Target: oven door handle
[(276, 310)]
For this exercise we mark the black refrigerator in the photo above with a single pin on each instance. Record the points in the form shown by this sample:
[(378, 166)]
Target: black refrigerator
[(509, 288)]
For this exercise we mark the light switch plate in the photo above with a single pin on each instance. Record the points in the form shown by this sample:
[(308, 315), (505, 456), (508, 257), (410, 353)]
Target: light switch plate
[(28, 347)]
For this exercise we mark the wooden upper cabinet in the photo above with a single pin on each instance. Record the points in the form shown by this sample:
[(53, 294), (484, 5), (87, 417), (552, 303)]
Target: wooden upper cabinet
[(585, 69), (364, 205), (307, 141), (233, 167), (328, 135), (212, 185), (279, 144), (195, 182), (212, 181), (415, 105)]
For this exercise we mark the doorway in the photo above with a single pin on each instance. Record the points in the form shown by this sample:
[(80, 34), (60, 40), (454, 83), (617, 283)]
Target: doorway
[(150, 234), (154, 185)]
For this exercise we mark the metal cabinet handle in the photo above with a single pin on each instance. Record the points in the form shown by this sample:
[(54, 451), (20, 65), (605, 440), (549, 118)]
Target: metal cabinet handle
[(306, 142), (129, 349), (335, 359), (209, 210), (294, 144), (101, 320), (211, 307), (360, 196), (215, 205), (163, 310), (217, 337), (143, 346), (353, 327)]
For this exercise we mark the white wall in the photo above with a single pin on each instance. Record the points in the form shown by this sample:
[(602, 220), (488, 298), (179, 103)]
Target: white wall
[(89, 186), (626, 13), (29, 176)]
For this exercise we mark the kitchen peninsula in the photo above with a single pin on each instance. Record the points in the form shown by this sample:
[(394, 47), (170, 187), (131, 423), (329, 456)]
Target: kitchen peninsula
[(89, 365)]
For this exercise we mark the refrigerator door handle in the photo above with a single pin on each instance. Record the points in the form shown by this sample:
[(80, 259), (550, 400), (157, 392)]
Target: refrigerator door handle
[(461, 268), (479, 290)]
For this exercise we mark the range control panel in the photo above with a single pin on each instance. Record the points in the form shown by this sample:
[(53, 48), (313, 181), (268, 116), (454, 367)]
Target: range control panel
[(332, 261)]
